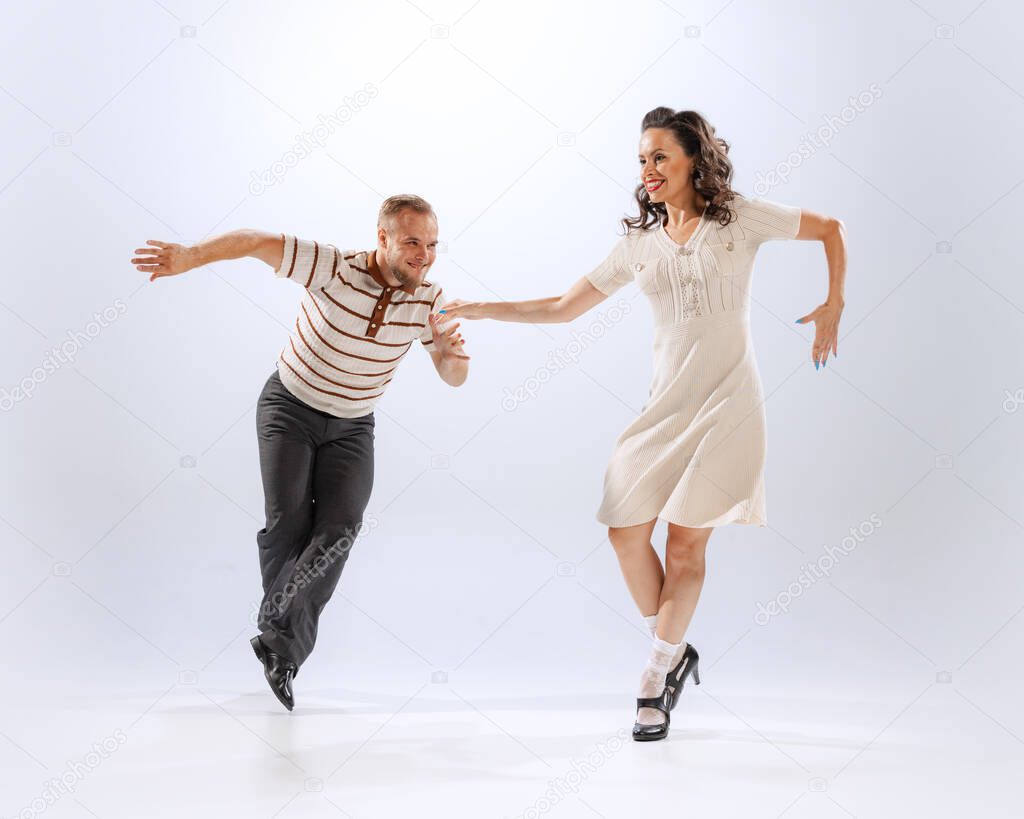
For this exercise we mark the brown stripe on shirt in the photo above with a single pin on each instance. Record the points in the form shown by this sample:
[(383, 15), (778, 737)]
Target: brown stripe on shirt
[(344, 307), (343, 280), (328, 392), (345, 352), (370, 318), (295, 254), (404, 323), (407, 344), (330, 364), (331, 380), (312, 270)]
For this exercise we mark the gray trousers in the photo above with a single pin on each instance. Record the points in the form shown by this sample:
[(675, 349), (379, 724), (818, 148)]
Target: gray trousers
[(317, 476)]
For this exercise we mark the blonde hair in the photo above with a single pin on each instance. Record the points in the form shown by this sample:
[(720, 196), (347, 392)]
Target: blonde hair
[(403, 201)]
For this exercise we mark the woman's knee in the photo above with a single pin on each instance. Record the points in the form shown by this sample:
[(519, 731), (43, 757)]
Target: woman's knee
[(629, 540), (685, 552)]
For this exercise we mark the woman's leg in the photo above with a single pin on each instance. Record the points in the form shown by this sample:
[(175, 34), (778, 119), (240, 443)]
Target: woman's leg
[(640, 564), (677, 600), (684, 577)]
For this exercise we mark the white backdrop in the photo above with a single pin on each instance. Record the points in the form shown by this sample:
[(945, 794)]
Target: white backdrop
[(132, 494)]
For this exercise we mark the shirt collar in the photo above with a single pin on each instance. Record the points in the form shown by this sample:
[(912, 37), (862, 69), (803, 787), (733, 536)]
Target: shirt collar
[(374, 271)]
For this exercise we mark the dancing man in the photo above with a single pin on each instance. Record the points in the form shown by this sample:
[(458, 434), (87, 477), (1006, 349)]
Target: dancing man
[(360, 313)]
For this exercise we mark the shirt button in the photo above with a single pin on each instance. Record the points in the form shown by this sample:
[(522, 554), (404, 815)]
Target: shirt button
[(373, 325), (379, 307), (729, 246)]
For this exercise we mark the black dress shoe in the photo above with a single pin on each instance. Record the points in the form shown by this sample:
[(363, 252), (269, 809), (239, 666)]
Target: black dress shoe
[(649, 733), (675, 678), (278, 671)]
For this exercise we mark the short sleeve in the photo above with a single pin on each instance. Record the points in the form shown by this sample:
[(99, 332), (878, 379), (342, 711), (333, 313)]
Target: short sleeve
[(615, 271), (427, 334), (311, 264), (765, 220)]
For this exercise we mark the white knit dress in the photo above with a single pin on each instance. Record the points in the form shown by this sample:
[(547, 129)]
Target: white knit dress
[(695, 455)]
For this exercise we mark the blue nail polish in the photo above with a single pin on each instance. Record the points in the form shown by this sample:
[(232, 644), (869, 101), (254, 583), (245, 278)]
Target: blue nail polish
[(797, 321), (815, 365), (440, 311)]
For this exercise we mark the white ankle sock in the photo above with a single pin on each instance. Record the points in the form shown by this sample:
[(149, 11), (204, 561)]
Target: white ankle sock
[(679, 654), (652, 680), (662, 653), (651, 622)]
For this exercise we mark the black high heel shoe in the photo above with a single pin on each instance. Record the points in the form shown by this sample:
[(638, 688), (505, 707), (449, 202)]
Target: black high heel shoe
[(649, 733), (675, 678)]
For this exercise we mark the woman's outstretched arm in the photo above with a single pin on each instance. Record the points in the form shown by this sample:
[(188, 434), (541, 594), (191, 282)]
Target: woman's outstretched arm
[(574, 302), (832, 234)]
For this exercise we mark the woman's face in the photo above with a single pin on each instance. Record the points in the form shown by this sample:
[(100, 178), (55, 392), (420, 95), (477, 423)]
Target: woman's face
[(665, 169)]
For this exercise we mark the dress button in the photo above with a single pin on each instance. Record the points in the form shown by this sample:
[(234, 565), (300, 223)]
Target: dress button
[(638, 267), (373, 325), (729, 246), (379, 307)]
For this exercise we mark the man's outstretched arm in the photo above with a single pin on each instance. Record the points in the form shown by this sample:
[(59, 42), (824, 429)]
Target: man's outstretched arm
[(169, 259)]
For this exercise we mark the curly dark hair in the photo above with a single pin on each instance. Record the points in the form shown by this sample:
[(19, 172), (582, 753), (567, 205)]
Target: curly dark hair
[(712, 170)]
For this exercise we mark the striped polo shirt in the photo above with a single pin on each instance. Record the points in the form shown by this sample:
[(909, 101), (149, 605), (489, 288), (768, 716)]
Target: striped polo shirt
[(352, 330)]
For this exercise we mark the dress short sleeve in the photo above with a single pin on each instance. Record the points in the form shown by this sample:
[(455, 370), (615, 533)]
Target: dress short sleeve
[(766, 220), (311, 264), (615, 271)]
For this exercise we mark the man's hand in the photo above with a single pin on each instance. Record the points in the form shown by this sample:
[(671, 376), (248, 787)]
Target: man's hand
[(164, 259), (446, 341)]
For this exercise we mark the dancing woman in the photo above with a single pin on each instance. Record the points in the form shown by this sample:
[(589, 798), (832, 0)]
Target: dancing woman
[(695, 455)]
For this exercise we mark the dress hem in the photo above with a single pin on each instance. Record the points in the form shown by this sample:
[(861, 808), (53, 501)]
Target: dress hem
[(735, 520)]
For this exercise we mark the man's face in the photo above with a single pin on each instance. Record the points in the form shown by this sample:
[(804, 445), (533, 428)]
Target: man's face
[(407, 245)]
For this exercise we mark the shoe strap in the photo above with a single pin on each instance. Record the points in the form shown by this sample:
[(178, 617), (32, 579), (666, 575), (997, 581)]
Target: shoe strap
[(689, 659), (652, 702)]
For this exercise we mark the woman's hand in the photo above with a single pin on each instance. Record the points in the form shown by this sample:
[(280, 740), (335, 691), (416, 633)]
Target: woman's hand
[(457, 308), (164, 259), (826, 331)]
